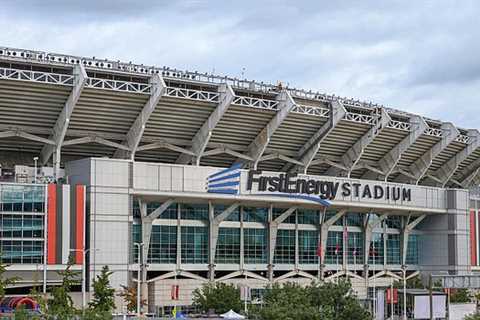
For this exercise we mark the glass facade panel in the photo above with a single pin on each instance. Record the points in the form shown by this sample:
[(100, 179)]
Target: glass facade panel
[(136, 238), (355, 248), (307, 246), (330, 214), (21, 226), (163, 245), (228, 246), (170, 213), (255, 245), (306, 216), (393, 249), (194, 211), (285, 248), (194, 244), (376, 249), (234, 216), (21, 251), (393, 222), (334, 253), (277, 212), (412, 249), (255, 214), (354, 219), (22, 198)]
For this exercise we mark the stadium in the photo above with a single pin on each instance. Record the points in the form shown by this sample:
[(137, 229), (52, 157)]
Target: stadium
[(175, 178)]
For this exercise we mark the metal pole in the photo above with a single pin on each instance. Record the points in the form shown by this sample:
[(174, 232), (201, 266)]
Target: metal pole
[(140, 259), (404, 269), (391, 299), (430, 293), (35, 159), (45, 240), (373, 274), (84, 302)]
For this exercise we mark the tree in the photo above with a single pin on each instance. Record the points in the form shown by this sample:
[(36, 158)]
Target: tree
[(318, 301), (103, 302), (129, 295), (60, 305), (460, 296), (5, 282), (474, 316), (217, 296)]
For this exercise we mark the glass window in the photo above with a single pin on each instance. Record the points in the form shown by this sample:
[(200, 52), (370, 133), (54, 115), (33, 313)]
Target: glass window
[(334, 253), (330, 214), (21, 226), (21, 251), (307, 246), (194, 211), (163, 245), (393, 222), (255, 245), (354, 219), (234, 216), (228, 246), (136, 238), (393, 249), (255, 214), (285, 248), (413, 249), (194, 245), (355, 248), (277, 212), (376, 249), (306, 216)]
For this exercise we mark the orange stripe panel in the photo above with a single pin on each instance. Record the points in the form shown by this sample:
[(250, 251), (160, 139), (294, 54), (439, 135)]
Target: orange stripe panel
[(473, 240), (79, 223), (52, 223)]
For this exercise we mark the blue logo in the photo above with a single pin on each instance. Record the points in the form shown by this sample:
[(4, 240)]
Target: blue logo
[(226, 181)]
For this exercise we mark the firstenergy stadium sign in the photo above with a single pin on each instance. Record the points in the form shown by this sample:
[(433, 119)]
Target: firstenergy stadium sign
[(290, 185)]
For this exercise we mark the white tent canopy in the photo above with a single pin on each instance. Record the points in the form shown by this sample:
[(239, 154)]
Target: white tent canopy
[(232, 315)]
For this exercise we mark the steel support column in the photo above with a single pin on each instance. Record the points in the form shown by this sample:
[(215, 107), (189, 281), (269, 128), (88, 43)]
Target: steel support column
[(256, 149), (63, 120), (324, 234), (407, 229), (214, 225), (309, 150), (420, 167), (201, 138), (135, 132), (445, 172), (353, 155), (390, 160), (273, 231)]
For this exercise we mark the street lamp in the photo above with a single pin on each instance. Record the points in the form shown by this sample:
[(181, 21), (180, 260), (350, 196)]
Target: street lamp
[(140, 262), (35, 159), (84, 254)]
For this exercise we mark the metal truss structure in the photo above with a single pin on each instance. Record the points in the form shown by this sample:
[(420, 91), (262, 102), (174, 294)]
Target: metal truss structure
[(191, 117)]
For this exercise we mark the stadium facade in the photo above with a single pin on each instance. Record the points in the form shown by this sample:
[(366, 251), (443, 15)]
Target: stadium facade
[(222, 179)]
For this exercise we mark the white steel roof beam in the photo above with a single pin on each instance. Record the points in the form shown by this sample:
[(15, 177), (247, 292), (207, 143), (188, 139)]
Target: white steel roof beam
[(420, 167), (353, 155), (201, 138), (445, 172), (135, 133), (257, 147), (309, 150), (391, 159), (61, 125)]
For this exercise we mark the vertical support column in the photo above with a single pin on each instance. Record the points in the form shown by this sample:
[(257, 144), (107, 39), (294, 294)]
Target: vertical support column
[(179, 237), (242, 242), (297, 258), (212, 233), (324, 233), (407, 229), (272, 241)]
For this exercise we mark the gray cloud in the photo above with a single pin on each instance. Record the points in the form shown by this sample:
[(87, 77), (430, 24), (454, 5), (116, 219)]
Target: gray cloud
[(415, 56)]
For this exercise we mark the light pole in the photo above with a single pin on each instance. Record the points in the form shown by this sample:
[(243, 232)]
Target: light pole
[(35, 159), (140, 262), (404, 271), (84, 254)]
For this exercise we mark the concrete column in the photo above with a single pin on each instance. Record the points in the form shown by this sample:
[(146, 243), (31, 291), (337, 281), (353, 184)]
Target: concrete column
[(297, 258), (242, 242)]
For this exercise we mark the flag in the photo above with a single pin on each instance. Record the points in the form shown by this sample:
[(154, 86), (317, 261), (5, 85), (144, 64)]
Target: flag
[(337, 249), (174, 292), (319, 249)]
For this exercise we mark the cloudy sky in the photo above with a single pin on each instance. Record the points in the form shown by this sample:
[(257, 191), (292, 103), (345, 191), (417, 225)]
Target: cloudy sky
[(418, 56)]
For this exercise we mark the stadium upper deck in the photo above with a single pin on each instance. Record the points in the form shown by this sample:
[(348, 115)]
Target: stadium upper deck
[(53, 104)]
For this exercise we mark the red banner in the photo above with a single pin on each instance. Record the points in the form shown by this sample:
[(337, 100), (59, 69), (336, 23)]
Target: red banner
[(174, 292), (395, 295)]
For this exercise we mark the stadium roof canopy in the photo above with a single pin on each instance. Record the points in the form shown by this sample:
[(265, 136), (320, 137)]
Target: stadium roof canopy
[(54, 104)]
